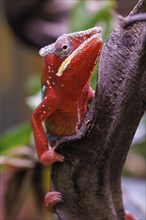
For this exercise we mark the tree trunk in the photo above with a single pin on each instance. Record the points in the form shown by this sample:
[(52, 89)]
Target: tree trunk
[(90, 177)]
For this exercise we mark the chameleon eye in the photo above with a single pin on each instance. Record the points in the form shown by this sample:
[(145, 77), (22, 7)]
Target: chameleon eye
[(63, 46)]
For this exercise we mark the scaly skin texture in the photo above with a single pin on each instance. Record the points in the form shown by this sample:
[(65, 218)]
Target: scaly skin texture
[(69, 63)]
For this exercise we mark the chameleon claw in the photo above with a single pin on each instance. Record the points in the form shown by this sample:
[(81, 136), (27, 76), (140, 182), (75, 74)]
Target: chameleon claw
[(51, 199), (49, 157)]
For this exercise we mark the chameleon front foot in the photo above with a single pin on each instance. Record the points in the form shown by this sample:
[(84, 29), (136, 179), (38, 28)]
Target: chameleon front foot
[(49, 157), (51, 199)]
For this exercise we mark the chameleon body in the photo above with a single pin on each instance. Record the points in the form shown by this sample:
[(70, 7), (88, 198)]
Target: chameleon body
[(66, 92)]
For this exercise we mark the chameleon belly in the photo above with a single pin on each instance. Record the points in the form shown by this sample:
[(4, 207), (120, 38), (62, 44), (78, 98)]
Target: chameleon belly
[(61, 124)]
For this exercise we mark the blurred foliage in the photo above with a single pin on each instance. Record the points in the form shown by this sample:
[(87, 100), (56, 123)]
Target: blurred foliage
[(91, 17), (33, 84), (17, 147), (140, 148), (19, 135), (135, 164)]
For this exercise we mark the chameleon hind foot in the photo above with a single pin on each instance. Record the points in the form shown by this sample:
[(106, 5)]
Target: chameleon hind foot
[(51, 199)]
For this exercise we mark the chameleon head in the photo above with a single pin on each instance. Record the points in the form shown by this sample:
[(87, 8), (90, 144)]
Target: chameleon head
[(73, 56)]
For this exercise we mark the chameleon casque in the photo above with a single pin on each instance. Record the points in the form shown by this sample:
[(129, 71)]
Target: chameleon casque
[(66, 93)]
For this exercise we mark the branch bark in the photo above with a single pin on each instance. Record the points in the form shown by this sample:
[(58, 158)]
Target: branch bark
[(90, 177)]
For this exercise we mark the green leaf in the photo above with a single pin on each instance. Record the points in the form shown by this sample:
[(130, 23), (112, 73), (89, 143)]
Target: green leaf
[(33, 84), (93, 78), (140, 148), (76, 23), (19, 135), (88, 18)]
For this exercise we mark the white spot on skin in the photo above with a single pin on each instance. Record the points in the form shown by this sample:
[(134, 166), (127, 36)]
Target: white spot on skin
[(79, 117), (48, 82)]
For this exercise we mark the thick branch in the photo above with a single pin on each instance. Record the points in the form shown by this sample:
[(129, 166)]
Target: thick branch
[(90, 177)]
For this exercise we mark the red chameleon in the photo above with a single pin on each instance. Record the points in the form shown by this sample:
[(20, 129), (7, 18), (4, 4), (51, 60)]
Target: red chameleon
[(69, 63), (66, 91)]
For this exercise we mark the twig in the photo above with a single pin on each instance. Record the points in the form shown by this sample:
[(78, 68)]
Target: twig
[(130, 20)]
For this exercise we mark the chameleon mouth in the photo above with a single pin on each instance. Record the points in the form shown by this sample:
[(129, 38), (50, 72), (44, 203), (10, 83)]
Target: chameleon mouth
[(86, 37)]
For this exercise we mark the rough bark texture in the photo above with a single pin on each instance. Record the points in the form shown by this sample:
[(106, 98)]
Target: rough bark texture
[(90, 177)]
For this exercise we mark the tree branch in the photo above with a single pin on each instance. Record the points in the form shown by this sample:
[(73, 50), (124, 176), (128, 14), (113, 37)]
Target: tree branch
[(90, 177), (126, 22)]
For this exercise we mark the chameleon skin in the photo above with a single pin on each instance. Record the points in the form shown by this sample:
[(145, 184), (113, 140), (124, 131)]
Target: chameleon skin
[(69, 63)]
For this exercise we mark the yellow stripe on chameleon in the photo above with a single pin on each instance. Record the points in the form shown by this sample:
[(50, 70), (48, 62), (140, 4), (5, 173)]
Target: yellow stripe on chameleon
[(71, 56)]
